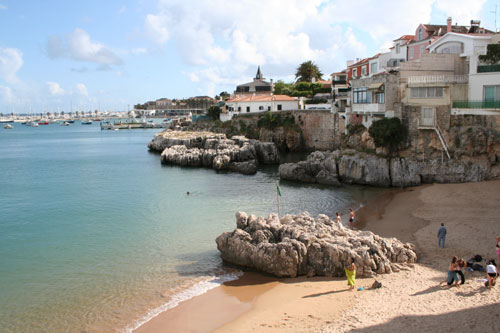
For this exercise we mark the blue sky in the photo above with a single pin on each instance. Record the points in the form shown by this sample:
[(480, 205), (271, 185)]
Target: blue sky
[(110, 55)]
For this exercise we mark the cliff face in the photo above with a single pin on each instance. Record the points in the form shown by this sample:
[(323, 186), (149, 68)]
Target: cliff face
[(299, 245), (367, 169)]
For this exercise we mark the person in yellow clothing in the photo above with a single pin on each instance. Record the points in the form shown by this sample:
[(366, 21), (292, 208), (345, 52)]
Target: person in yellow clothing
[(350, 272)]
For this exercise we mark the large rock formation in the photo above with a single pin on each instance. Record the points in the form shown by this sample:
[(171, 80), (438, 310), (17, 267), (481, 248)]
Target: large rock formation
[(353, 167), (301, 245), (213, 150)]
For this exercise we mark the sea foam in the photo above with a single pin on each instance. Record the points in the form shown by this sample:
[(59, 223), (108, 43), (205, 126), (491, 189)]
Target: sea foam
[(196, 290)]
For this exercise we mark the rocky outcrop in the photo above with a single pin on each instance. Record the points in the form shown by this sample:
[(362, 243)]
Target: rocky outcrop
[(213, 150), (353, 167), (301, 245), (320, 167)]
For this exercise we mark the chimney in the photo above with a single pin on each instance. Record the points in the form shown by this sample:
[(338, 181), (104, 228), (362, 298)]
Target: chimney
[(448, 21), (350, 63)]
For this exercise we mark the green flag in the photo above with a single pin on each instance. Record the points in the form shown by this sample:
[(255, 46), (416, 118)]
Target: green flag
[(278, 189)]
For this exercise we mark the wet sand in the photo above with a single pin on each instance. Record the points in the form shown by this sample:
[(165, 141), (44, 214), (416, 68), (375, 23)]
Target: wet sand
[(410, 300)]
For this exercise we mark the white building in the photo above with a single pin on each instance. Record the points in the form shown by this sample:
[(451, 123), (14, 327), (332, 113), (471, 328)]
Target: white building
[(258, 103)]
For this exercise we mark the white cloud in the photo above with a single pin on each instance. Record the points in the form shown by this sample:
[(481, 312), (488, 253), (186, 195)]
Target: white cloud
[(82, 89), (461, 11), (3, 7), (139, 50), (11, 60), (54, 88), (78, 45), (156, 28), (6, 95)]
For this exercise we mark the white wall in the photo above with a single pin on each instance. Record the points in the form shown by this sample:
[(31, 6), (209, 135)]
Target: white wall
[(478, 81), (254, 107)]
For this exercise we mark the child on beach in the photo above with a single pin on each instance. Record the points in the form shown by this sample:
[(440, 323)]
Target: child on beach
[(351, 218), (492, 272), (350, 272), (452, 273)]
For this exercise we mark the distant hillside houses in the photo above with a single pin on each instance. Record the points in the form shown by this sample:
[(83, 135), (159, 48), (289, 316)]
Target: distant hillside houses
[(195, 105), (425, 79)]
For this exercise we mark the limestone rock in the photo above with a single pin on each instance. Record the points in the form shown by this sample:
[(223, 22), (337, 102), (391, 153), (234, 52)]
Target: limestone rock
[(301, 245), (214, 150), (320, 167), (365, 169)]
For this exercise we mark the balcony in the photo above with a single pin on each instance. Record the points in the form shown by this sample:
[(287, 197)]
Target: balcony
[(368, 108), (488, 68), (445, 79), (485, 108), (476, 104), (344, 81)]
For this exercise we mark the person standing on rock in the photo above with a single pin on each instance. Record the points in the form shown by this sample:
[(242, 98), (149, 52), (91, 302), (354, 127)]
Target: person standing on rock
[(351, 218), (350, 272), (338, 219), (441, 235)]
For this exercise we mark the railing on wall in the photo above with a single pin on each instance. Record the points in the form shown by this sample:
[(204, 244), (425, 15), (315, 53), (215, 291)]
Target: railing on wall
[(476, 104), (438, 79), (488, 68)]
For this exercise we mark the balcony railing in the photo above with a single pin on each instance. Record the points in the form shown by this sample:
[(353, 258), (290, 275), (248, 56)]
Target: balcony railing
[(439, 79), (476, 104), (488, 68)]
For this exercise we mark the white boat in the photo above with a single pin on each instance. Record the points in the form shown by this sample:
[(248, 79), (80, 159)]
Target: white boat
[(34, 124), (65, 123), (8, 126), (86, 122)]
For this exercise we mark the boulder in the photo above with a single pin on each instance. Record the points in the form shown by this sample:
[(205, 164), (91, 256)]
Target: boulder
[(365, 169), (320, 167), (301, 245)]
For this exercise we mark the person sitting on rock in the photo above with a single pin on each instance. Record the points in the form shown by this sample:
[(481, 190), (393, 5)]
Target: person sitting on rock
[(350, 272)]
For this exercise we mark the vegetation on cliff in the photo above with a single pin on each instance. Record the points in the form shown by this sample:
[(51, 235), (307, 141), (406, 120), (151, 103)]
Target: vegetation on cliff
[(388, 133)]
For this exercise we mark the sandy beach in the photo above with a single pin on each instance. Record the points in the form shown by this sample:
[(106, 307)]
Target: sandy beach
[(410, 300)]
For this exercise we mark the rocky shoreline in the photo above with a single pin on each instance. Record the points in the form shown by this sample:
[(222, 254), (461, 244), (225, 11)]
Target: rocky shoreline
[(301, 245), (353, 167), (207, 149)]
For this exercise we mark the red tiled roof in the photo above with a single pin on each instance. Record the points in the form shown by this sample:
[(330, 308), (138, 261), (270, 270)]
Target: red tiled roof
[(261, 98), (405, 37)]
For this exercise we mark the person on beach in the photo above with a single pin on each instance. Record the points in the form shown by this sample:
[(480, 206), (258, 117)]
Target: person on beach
[(351, 218), (498, 251), (452, 273), (338, 219), (492, 272), (350, 272), (460, 264), (441, 235)]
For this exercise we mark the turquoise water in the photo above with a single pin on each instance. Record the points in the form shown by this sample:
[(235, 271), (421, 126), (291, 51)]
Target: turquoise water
[(95, 232)]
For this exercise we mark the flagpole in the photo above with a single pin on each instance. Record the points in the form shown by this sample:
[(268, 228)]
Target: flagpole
[(278, 198)]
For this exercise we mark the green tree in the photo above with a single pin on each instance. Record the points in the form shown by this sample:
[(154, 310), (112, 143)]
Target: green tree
[(389, 133), (307, 71), (214, 112)]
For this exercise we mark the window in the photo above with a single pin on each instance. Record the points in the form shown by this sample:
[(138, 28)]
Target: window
[(248, 109), (491, 93), (261, 108), (398, 48), (239, 108), (380, 97), (355, 72), (420, 34), (427, 92), (422, 50), (374, 68), (411, 53), (279, 107), (268, 108), (360, 95), (363, 70)]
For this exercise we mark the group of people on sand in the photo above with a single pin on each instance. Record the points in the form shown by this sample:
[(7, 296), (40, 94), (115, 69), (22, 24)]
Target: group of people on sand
[(351, 218), (455, 274)]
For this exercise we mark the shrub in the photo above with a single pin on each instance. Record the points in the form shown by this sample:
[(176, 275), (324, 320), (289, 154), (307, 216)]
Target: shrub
[(355, 128), (389, 133)]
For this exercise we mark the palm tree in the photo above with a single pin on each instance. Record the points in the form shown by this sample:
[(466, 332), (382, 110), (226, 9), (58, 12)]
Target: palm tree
[(307, 71)]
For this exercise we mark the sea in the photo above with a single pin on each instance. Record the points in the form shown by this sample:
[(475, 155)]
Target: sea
[(96, 235)]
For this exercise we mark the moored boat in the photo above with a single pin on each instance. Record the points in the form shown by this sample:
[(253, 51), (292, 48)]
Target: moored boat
[(65, 123), (43, 123), (8, 126), (33, 124), (86, 122)]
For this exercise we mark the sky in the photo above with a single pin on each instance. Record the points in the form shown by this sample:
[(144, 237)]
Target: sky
[(110, 55)]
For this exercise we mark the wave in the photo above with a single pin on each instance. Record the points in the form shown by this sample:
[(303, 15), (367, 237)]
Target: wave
[(196, 290)]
